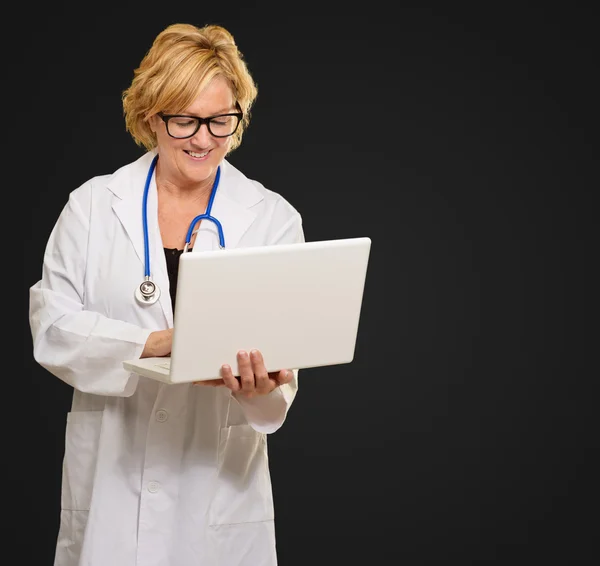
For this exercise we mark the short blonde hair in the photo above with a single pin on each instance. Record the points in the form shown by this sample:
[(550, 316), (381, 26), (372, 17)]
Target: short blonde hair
[(182, 61)]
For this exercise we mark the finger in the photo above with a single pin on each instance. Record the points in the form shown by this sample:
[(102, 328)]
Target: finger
[(246, 372), (229, 379), (261, 376), (211, 382), (284, 376)]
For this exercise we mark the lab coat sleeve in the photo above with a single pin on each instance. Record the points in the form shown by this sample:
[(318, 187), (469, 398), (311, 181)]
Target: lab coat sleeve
[(82, 348), (267, 413)]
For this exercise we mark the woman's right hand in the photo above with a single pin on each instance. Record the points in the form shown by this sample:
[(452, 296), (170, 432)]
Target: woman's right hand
[(158, 344)]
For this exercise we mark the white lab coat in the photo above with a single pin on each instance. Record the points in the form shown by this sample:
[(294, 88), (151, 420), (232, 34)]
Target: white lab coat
[(153, 474)]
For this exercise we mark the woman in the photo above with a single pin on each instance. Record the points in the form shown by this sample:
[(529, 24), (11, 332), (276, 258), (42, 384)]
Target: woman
[(169, 475)]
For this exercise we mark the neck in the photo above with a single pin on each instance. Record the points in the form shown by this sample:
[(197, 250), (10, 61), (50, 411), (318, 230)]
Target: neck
[(184, 193)]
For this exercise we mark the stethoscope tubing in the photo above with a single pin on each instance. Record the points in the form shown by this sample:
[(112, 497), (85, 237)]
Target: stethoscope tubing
[(206, 216)]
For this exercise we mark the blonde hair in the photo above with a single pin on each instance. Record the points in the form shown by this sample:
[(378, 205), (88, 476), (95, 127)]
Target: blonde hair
[(181, 62)]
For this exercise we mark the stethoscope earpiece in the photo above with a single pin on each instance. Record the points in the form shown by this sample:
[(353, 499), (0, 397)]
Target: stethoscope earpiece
[(147, 293)]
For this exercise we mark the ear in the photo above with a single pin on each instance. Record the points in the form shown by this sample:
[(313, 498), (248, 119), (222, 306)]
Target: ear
[(154, 122)]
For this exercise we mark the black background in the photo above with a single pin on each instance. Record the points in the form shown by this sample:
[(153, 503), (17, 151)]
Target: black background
[(459, 140)]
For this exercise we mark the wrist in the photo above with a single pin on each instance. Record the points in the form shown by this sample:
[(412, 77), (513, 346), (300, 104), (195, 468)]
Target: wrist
[(157, 344)]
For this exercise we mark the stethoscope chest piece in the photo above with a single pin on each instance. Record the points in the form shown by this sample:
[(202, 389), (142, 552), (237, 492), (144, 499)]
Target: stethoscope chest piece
[(147, 293)]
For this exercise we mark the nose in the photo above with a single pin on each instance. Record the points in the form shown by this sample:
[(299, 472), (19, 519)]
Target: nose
[(202, 137)]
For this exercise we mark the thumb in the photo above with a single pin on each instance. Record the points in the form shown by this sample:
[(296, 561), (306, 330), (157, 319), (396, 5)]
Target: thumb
[(285, 376)]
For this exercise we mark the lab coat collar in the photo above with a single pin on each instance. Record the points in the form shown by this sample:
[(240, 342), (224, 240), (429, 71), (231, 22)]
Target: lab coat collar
[(236, 195)]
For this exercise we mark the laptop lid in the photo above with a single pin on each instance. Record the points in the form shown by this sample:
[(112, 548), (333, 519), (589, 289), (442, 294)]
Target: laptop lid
[(299, 304)]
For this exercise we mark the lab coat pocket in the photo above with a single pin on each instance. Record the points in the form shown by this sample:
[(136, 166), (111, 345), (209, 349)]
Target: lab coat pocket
[(79, 462), (243, 492)]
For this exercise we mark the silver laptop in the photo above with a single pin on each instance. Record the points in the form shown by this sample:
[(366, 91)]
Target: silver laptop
[(299, 304)]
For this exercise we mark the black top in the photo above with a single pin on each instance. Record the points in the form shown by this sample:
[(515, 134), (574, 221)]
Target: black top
[(173, 255)]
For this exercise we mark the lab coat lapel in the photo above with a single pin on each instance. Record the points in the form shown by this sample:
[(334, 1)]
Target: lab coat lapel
[(157, 255), (128, 185), (129, 212)]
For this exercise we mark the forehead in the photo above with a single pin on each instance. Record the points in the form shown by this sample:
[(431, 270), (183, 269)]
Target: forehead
[(216, 98)]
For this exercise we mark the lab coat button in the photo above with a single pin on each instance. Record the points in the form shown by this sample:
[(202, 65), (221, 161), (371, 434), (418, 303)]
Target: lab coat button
[(153, 486), (162, 416)]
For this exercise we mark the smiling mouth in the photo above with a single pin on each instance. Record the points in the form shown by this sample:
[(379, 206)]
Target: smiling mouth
[(197, 155)]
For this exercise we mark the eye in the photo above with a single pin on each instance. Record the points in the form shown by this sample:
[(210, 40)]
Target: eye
[(184, 122)]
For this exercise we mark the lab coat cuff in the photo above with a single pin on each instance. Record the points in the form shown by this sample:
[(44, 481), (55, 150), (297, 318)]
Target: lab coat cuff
[(266, 413), (132, 382)]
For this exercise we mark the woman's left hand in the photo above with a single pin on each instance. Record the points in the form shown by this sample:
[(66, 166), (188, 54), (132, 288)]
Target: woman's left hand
[(254, 379)]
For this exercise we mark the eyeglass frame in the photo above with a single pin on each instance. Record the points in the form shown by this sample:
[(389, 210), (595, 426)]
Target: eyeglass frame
[(166, 117)]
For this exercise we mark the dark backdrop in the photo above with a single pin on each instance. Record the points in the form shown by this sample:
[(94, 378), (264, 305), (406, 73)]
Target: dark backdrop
[(457, 139)]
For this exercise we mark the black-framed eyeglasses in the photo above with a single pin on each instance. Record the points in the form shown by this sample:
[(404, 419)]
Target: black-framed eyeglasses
[(180, 126)]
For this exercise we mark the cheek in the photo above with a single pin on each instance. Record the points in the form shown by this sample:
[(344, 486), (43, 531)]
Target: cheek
[(219, 149), (162, 139), (224, 144), (169, 145)]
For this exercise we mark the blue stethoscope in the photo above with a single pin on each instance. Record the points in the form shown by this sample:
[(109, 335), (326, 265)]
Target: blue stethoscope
[(148, 292)]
